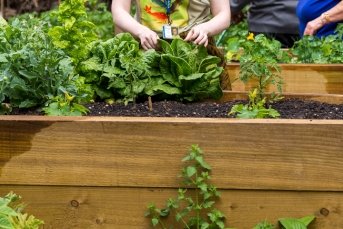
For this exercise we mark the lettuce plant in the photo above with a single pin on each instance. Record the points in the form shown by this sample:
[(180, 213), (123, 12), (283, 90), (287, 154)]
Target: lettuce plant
[(190, 69), (118, 69), (75, 32)]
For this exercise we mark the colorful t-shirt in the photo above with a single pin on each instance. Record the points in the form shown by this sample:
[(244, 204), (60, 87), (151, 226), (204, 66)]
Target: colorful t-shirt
[(308, 10), (183, 13)]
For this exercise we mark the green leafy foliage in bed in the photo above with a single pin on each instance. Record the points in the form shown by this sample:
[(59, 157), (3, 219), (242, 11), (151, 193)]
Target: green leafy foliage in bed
[(32, 69), (75, 32), (190, 69), (311, 49), (119, 69)]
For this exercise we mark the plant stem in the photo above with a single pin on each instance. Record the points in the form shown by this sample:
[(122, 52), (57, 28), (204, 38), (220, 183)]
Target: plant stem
[(163, 227), (183, 221), (197, 201)]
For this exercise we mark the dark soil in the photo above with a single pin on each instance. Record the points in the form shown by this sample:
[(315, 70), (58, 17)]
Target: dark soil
[(288, 109)]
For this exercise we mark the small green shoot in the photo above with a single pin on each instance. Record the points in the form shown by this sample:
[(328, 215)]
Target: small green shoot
[(255, 108), (195, 174)]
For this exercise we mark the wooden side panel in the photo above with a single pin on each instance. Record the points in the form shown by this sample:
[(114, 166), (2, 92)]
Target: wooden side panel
[(243, 95), (66, 207), (299, 78), (147, 152)]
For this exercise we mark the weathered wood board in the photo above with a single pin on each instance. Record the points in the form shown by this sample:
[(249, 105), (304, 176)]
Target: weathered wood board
[(114, 167), (243, 95), (299, 78), (117, 208)]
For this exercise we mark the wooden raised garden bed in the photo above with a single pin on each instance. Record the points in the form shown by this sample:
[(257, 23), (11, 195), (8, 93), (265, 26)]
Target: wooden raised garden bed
[(300, 78), (102, 172)]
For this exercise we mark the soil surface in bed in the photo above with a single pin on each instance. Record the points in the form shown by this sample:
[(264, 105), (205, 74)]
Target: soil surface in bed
[(288, 109)]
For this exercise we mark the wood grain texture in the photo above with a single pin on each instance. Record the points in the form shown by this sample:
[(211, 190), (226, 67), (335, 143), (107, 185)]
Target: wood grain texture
[(299, 78), (243, 95), (139, 152), (67, 207)]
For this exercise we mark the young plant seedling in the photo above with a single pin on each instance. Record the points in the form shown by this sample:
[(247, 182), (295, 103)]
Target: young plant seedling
[(196, 175)]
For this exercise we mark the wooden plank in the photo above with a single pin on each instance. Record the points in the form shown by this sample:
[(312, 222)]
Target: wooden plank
[(106, 207), (147, 152), (299, 78), (243, 95)]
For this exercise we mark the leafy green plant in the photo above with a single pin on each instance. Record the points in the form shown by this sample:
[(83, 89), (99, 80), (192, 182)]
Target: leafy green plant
[(311, 49), (191, 70), (61, 106), (195, 174), (75, 33), (258, 62), (11, 216), (264, 225), (32, 69), (118, 69), (290, 223), (254, 109)]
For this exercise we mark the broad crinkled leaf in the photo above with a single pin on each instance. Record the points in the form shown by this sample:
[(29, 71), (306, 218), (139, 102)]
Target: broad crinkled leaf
[(165, 88), (178, 65), (166, 47), (167, 71), (91, 64), (180, 48), (5, 222), (208, 63)]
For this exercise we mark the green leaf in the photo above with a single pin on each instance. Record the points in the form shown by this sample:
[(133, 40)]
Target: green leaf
[(5, 222), (154, 221), (220, 224), (3, 58), (208, 204), (27, 104), (205, 225), (200, 159), (5, 210), (191, 170), (166, 47), (203, 186), (290, 223), (180, 47), (307, 220), (165, 88)]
